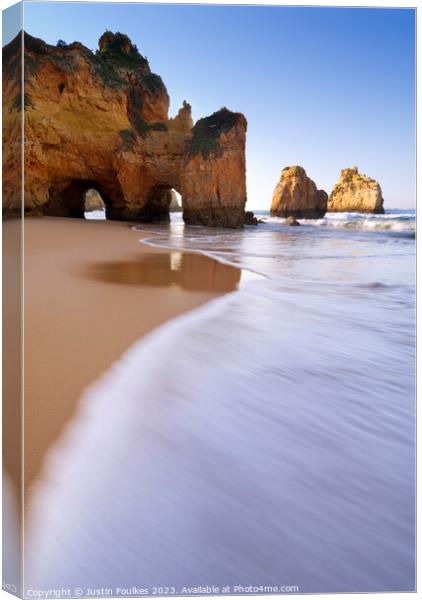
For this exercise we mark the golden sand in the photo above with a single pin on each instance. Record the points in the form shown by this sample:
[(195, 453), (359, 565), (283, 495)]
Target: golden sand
[(92, 290)]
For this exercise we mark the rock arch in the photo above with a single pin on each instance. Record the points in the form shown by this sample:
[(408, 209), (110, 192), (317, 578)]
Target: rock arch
[(101, 120), (68, 199), (157, 207)]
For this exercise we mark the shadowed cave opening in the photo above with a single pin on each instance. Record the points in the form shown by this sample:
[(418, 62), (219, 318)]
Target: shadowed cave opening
[(84, 197), (88, 199), (162, 201)]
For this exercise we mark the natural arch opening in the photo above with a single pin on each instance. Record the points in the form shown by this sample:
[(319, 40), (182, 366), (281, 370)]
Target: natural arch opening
[(73, 200), (162, 201), (94, 206)]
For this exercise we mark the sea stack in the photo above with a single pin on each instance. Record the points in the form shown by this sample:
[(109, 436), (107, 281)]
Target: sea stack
[(213, 176), (100, 121), (355, 192), (296, 195)]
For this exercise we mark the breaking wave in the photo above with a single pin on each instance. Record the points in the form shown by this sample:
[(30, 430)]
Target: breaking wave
[(394, 221)]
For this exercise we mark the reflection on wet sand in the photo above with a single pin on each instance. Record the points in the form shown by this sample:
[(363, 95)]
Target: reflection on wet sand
[(79, 324), (187, 271)]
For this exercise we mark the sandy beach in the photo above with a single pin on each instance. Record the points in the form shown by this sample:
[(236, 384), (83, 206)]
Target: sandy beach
[(91, 290)]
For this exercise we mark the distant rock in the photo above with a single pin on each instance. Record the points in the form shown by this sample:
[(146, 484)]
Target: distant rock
[(355, 192), (93, 201), (292, 221), (296, 195)]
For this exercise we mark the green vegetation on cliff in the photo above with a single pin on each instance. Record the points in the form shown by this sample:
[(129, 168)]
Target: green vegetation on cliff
[(206, 132), (118, 49), (105, 71), (135, 97), (128, 137)]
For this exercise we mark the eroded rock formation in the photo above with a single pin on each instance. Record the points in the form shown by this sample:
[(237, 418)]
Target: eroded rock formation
[(250, 218), (356, 193), (213, 174), (296, 195), (101, 121)]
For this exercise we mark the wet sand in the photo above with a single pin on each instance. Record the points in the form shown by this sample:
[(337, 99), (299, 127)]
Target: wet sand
[(91, 290)]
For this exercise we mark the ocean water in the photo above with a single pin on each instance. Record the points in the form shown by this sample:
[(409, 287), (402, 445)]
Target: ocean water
[(96, 215), (265, 439)]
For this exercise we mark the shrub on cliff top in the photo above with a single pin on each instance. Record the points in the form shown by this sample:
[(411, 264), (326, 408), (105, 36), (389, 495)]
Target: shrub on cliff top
[(206, 132), (117, 48)]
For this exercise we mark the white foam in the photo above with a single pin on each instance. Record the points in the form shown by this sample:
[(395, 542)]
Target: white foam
[(386, 222), (95, 215)]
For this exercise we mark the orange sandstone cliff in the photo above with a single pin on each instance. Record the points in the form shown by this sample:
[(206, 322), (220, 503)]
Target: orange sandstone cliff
[(213, 174), (100, 121)]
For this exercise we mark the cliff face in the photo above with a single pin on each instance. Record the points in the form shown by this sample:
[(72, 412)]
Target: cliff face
[(101, 121), (296, 195), (12, 128), (356, 193)]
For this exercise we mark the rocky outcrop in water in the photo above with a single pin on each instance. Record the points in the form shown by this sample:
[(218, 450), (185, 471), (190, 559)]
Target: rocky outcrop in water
[(292, 222), (296, 195), (213, 173), (250, 218), (100, 120), (355, 192)]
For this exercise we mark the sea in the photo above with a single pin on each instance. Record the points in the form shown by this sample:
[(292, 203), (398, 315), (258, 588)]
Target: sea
[(263, 442)]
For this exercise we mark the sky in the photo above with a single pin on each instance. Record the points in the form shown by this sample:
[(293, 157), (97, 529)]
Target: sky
[(324, 88)]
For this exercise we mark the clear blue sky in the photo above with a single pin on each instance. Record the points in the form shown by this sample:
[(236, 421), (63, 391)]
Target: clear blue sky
[(325, 88)]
